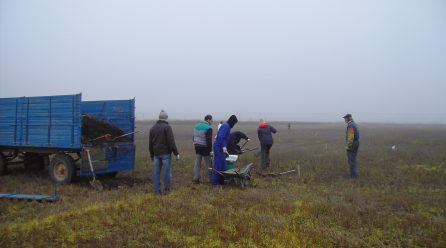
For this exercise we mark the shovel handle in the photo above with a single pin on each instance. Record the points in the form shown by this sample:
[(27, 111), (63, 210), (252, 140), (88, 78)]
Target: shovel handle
[(91, 164)]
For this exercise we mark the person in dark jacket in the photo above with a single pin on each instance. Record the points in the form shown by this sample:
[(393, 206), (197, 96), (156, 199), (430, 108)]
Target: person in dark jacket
[(234, 139), (266, 142), (352, 141), (203, 146), (221, 151), (161, 146)]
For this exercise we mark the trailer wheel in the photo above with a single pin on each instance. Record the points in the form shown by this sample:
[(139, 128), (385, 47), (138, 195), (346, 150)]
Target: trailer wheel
[(35, 161), (2, 164), (243, 182), (62, 168)]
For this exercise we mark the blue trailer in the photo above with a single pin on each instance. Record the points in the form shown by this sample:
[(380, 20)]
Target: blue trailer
[(47, 131)]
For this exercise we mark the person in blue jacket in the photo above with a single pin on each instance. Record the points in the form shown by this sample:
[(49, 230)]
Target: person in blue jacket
[(265, 132), (221, 151)]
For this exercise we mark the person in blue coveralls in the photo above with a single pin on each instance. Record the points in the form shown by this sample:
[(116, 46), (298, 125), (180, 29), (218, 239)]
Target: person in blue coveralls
[(221, 151)]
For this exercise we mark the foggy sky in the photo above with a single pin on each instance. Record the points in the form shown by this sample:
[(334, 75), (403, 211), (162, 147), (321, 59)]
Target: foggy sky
[(381, 60)]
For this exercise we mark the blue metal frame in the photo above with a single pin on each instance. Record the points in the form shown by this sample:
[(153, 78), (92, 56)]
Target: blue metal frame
[(49, 198)]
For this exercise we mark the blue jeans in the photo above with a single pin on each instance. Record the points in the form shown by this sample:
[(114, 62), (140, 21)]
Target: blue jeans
[(163, 162), (353, 163)]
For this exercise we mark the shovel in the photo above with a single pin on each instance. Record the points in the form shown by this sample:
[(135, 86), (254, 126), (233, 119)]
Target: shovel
[(105, 136), (210, 169), (96, 184), (243, 149), (244, 144), (124, 135)]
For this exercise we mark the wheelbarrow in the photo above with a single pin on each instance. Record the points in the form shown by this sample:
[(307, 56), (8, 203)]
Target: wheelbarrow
[(241, 174), (232, 172)]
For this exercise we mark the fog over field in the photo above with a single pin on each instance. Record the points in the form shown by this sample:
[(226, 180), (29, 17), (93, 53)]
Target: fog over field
[(290, 60)]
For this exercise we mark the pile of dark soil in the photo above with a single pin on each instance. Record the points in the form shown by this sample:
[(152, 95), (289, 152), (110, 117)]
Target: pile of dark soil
[(93, 128), (123, 182), (115, 183)]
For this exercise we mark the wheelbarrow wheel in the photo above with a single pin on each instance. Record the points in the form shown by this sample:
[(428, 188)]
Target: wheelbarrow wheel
[(243, 182), (248, 176), (62, 169)]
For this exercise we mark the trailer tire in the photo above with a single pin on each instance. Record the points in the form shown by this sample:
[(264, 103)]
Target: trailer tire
[(35, 161), (2, 164), (62, 169)]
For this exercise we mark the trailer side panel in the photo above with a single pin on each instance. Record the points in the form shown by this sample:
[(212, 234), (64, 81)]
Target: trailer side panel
[(41, 122)]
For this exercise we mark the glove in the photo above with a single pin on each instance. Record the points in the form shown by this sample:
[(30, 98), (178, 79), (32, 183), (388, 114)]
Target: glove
[(225, 150), (248, 139), (211, 154), (178, 156)]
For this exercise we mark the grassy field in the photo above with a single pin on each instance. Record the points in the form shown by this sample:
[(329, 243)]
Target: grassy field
[(399, 199)]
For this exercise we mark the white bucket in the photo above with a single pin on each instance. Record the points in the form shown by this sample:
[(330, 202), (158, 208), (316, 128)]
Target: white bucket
[(232, 158)]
